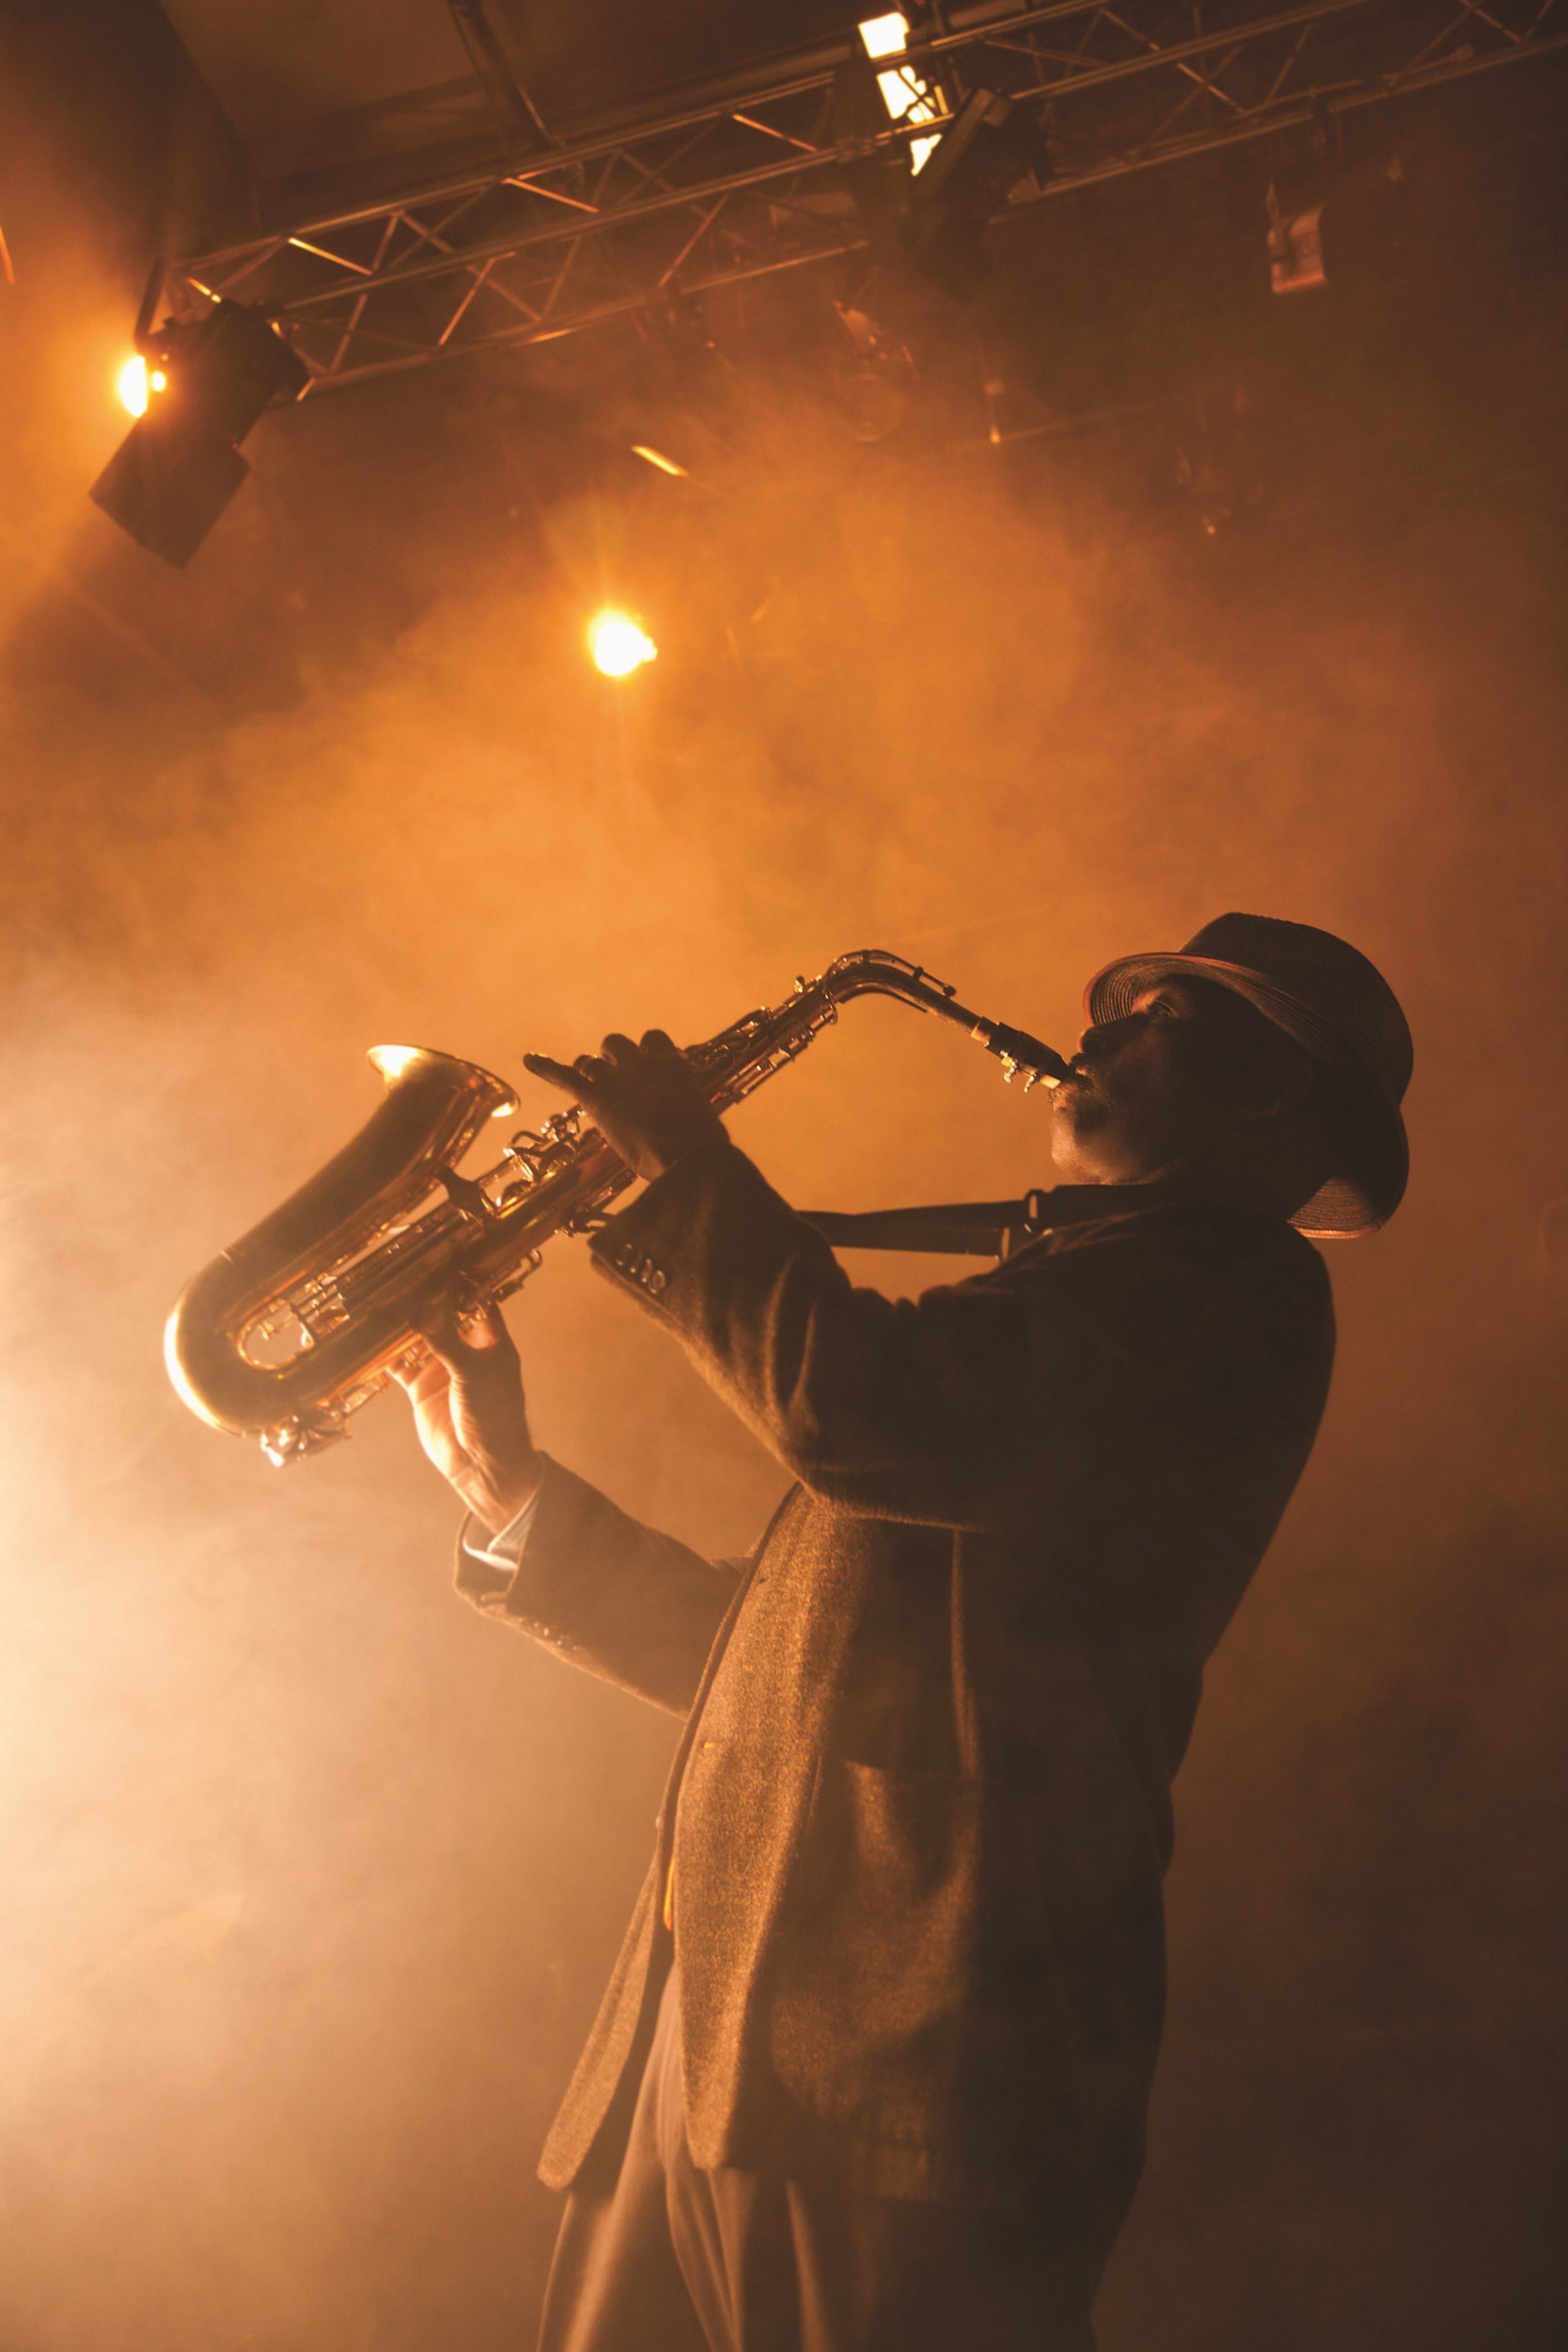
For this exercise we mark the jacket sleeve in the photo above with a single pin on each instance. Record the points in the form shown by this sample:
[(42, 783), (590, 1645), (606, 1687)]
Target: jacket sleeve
[(974, 1405), (609, 1595)]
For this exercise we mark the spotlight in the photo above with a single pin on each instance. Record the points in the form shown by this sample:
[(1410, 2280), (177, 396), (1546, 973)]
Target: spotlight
[(619, 644), (179, 464), (886, 36), (906, 95), (1349, 239), (135, 381), (1295, 247)]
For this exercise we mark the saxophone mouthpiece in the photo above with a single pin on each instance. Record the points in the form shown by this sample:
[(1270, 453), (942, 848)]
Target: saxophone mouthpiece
[(1018, 1051)]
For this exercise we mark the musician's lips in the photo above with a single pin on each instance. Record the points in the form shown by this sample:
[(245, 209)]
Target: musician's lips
[(1077, 1086)]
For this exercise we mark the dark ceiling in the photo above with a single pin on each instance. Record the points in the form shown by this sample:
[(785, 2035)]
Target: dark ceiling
[(166, 119), (273, 68), (293, 77)]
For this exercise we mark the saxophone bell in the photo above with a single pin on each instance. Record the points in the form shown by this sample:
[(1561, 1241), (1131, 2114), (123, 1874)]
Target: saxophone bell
[(295, 1326)]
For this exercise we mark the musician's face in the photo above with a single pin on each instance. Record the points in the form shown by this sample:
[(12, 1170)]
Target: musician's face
[(1154, 1089)]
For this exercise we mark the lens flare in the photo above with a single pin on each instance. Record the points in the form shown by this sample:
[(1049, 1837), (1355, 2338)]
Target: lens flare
[(618, 644)]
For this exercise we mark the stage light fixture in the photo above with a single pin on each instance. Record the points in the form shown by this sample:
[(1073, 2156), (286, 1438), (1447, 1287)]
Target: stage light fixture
[(195, 388), (1348, 235), (886, 36), (136, 382), (619, 644), (907, 97)]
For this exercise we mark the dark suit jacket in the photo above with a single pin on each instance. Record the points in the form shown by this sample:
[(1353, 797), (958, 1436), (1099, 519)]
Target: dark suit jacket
[(920, 1812)]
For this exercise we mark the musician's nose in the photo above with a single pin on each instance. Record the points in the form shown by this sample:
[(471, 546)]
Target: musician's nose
[(1099, 1043)]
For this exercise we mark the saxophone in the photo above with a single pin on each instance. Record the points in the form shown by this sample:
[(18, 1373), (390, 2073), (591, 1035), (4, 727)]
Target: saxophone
[(304, 1320)]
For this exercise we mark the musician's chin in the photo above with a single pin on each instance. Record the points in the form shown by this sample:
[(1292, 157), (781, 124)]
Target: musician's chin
[(1077, 1118), (1076, 1105)]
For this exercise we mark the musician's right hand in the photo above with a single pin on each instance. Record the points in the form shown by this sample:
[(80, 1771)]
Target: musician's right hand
[(466, 1389)]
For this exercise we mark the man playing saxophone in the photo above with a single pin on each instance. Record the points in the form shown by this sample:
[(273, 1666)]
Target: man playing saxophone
[(872, 2071)]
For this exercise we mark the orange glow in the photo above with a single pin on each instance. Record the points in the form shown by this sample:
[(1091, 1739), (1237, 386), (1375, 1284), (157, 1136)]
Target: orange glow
[(136, 381), (905, 96), (657, 457), (886, 36), (392, 1060), (619, 644), (132, 386)]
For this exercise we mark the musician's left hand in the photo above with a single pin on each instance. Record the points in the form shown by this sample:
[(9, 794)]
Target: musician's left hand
[(466, 1388), (644, 1098)]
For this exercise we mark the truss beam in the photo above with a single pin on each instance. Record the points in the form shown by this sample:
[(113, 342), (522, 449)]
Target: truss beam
[(739, 186)]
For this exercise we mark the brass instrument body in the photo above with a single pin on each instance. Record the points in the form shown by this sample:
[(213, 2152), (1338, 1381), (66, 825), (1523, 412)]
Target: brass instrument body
[(351, 1266)]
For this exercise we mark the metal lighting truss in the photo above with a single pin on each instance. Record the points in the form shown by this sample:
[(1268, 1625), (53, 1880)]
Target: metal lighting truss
[(733, 182)]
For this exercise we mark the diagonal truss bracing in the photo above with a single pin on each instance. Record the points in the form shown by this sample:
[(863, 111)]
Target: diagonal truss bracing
[(737, 185)]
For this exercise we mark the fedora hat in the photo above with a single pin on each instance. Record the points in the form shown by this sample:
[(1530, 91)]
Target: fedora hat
[(1326, 995)]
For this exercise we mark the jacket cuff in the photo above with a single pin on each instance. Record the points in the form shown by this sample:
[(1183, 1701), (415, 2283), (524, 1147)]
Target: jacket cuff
[(641, 1246), (500, 1578)]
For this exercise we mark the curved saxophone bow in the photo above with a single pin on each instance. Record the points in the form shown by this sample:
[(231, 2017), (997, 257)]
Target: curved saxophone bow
[(291, 1330)]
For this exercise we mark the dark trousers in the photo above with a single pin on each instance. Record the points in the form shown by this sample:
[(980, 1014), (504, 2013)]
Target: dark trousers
[(678, 2260)]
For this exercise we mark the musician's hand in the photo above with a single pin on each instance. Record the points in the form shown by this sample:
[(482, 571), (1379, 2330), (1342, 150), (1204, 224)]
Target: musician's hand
[(647, 1100), (467, 1393)]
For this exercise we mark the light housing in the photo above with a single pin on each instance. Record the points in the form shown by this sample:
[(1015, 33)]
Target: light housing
[(180, 465)]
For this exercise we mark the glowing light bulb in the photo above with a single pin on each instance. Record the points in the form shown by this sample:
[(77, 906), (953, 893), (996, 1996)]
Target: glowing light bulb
[(618, 644), (136, 381), (886, 36), (131, 386)]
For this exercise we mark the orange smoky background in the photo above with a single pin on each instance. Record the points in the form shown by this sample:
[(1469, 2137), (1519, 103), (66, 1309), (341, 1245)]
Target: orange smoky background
[(313, 1878)]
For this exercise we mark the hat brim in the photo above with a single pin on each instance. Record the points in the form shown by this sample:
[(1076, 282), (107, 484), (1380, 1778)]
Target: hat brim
[(1357, 1199)]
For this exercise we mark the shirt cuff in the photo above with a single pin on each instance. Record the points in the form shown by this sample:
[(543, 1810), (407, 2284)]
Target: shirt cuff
[(489, 1567)]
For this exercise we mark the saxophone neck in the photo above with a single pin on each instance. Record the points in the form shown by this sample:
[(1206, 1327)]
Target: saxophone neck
[(760, 1044)]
